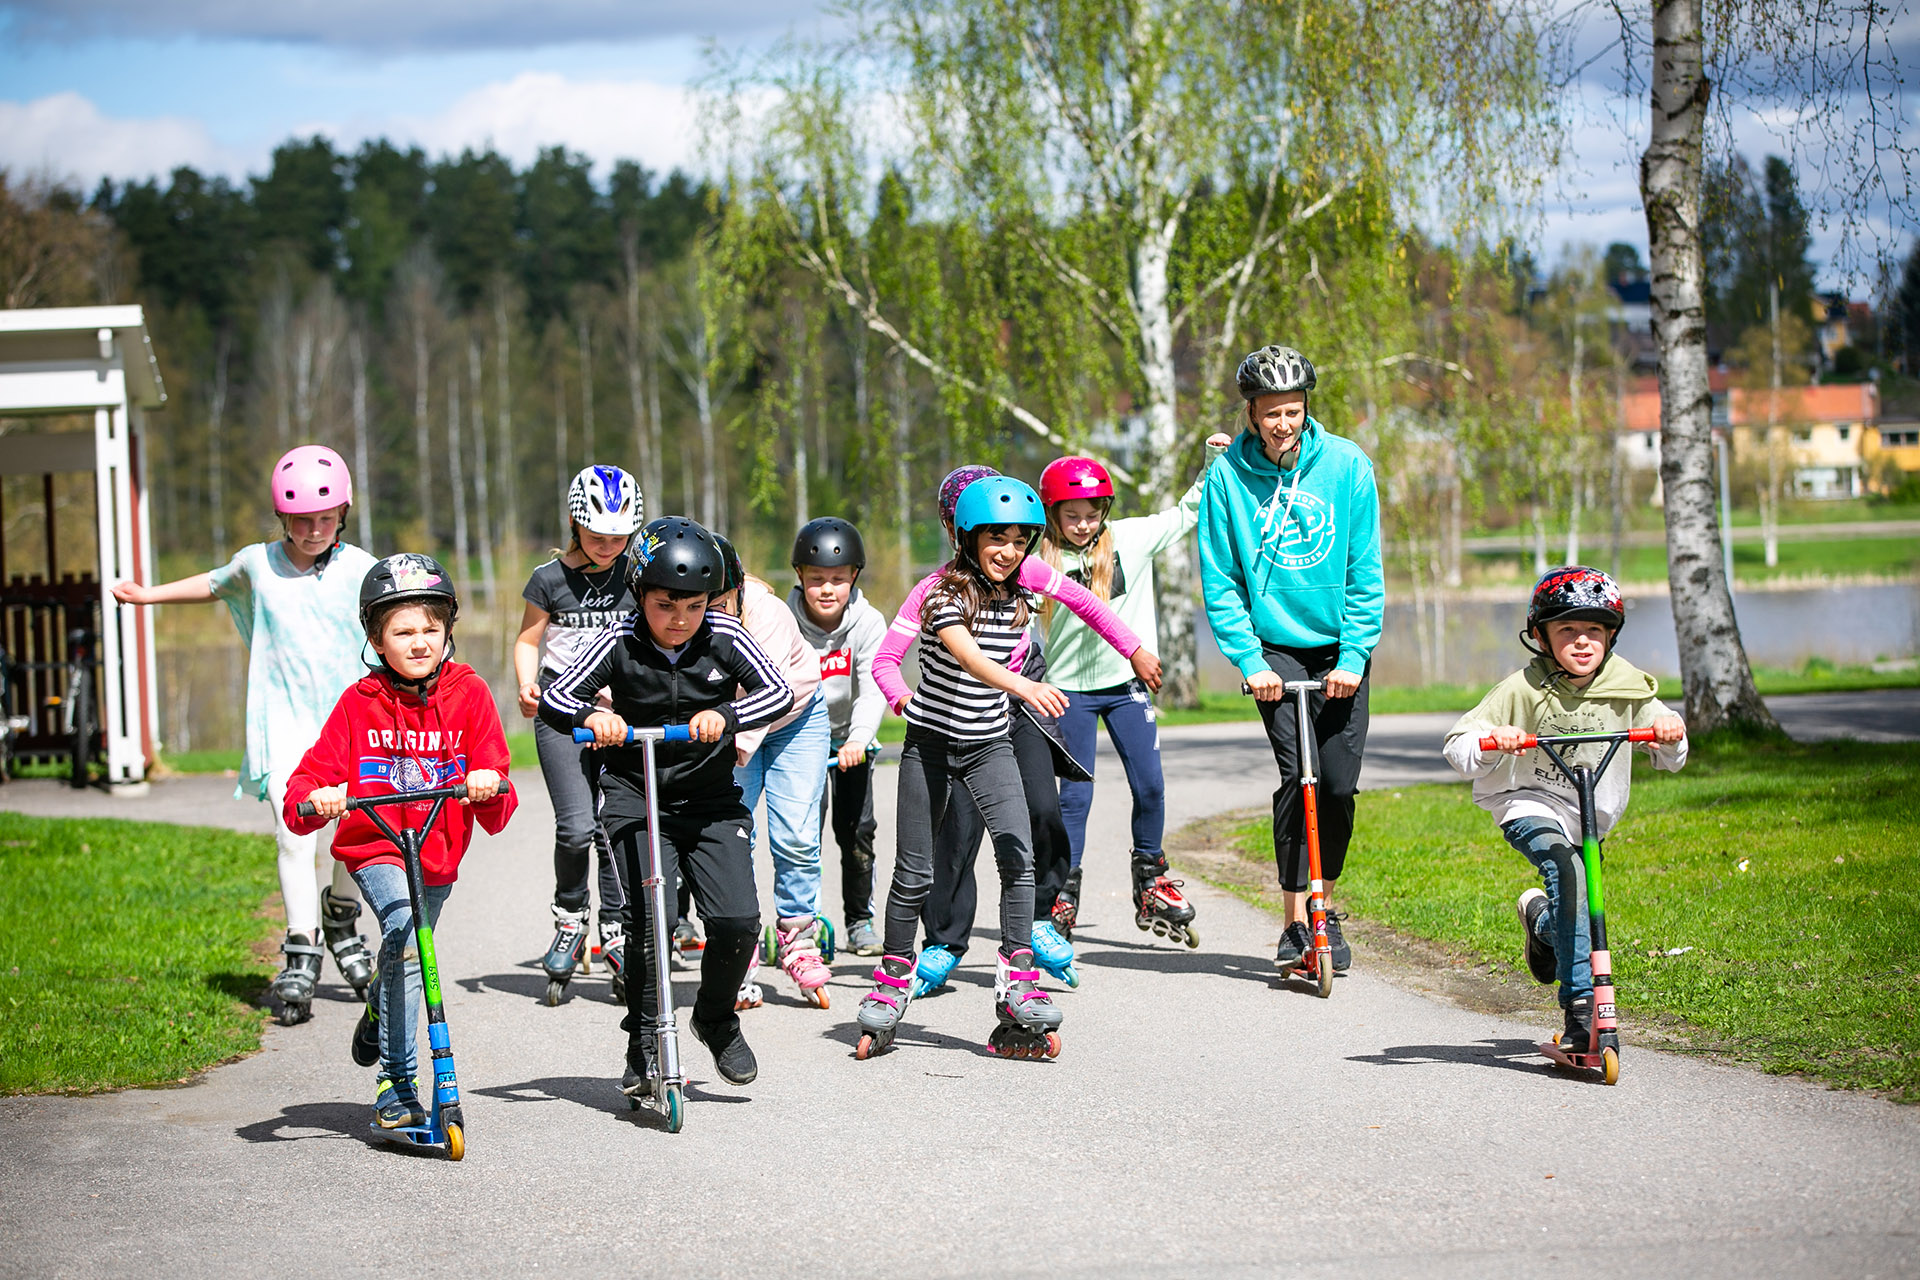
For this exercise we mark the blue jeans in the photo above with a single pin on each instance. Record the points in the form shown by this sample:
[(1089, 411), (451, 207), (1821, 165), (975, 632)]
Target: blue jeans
[(791, 767), (1135, 731), (396, 996), (1559, 863)]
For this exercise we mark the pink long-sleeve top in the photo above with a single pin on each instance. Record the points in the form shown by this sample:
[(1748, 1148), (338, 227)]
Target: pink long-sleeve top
[(771, 624), (1037, 576)]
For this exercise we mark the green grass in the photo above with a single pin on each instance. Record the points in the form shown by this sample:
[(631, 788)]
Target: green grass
[(127, 951), (1813, 558), (1789, 870)]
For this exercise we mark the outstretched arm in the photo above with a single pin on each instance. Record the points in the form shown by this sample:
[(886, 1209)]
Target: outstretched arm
[(195, 590)]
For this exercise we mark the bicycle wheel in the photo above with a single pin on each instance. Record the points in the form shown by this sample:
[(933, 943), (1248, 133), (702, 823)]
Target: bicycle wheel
[(84, 734)]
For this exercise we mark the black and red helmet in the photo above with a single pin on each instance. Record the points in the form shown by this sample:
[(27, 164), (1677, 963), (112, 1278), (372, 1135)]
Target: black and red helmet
[(1575, 592)]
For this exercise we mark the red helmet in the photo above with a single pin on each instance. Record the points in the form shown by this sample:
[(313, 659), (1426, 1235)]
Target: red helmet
[(1068, 478)]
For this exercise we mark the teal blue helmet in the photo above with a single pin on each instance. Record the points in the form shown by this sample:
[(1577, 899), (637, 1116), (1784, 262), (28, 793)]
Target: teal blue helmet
[(996, 500)]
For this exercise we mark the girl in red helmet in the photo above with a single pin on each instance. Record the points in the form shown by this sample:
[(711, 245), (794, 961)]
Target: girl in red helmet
[(296, 603), (1114, 560)]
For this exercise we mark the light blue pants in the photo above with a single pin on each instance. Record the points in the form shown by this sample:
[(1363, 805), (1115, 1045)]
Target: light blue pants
[(397, 995), (791, 768), (1565, 925)]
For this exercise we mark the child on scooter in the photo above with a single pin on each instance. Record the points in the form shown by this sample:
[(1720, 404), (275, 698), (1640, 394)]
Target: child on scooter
[(1576, 683), (295, 604), (674, 661), (417, 722)]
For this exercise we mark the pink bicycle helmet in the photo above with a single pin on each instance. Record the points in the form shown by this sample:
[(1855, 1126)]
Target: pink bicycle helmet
[(1069, 478), (310, 478)]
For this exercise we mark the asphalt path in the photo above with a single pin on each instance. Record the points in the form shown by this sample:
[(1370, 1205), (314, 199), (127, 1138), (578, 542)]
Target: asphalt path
[(1202, 1116)]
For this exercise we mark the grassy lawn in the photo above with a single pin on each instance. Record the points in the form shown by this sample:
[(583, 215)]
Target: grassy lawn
[(1809, 559), (127, 951), (1790, 871)]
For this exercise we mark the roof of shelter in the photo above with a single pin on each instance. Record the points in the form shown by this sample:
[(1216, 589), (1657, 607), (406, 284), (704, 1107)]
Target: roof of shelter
[(47, 340)]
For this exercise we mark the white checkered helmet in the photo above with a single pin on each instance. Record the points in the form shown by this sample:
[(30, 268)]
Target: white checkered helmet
[(605, 500)]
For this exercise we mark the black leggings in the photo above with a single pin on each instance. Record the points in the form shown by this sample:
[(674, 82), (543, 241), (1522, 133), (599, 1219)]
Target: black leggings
[(1340, 739), (934, 772), (951, 906), (851, 813)]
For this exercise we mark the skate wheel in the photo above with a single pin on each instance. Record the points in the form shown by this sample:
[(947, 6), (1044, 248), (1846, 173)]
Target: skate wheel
[(1071, 977), (456, 1142), (769, 946), (819, 998), (289, 1015), (828, 946), (1143, 925), (674, 1107), (1053, 1044), (863, 1050), (1193, 938), (556, 990), (1609, 1066)]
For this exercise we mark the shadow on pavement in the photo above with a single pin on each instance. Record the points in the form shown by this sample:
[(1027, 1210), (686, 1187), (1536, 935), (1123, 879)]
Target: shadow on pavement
[(1513, 1055), (912, 1037), (595, 1093), (1115, 954), (533, 986), (330, 1119)]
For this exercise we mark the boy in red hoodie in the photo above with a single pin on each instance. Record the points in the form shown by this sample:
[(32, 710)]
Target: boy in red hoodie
[(418, 721)]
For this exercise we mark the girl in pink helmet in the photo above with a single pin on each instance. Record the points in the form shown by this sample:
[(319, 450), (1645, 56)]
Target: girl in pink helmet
[(296, 603), (1114, 560)]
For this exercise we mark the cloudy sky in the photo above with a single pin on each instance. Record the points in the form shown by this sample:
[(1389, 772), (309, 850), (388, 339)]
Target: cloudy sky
[(130, 88)]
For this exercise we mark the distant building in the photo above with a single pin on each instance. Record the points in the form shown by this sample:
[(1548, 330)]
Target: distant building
[(1896, 437), (1826, 431)]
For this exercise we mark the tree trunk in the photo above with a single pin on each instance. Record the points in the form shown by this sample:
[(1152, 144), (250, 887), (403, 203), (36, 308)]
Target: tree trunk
[(503, 416), (1576, 454), (630, 350), (363, 496), (563, 463), (1164, 481), (457, 473), (1616, 472), (482, 495), (797, 378), (216, 448), (1770, 509), (422, 442), (653, 466), (902, 439), (1713, 663), (587, 442)]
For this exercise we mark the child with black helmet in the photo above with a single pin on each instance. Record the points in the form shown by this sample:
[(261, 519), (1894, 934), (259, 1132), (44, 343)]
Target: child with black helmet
[(846, 631), (417, 721), (1576, 683), (673, 661)]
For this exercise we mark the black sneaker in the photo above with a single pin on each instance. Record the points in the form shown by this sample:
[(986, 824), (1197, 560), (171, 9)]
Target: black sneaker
[(639, 1081), (1542, 961), (1294, 944), (1342, 953), (1579, 1030), (366, 1038), (731, 1056)]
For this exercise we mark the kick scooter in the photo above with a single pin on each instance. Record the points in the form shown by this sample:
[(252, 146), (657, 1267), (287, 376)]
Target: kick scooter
[(445, 1127), (1317, 963), (665, 1089), (1602, 1051)]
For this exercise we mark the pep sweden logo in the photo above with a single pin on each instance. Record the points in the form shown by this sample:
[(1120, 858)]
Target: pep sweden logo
[(1304, 536)]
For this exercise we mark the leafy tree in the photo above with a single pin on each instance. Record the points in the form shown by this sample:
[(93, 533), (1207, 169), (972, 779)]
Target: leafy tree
[(566, 232), (301, 205), (471, 216)]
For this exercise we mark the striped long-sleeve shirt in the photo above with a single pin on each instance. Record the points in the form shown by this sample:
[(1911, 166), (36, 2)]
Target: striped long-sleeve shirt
[(720, 669), (950, 701)]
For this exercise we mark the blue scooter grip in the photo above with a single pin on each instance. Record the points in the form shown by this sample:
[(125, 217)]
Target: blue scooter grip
[(668, 733)]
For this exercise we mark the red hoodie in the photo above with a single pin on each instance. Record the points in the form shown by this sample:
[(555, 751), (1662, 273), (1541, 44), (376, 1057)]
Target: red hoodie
[(381, 740)]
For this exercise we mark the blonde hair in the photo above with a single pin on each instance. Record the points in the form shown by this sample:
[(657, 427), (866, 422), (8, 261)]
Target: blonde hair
[(1099, 556)]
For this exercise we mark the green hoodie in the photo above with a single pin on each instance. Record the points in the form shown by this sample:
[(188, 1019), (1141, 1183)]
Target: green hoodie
[(1292, 559)]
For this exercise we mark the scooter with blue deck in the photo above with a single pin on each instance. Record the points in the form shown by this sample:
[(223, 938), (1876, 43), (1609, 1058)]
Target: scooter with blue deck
[(445, 1129), (665, 1089)]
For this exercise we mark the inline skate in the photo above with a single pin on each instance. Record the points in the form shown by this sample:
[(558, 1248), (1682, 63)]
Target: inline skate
[(750, 995), (1054, 953), (1161, 907), (294, 987), (1029, 1023), (792, 944), (1066, 907), (350, 955), (612, 952), (687, 944), (930, 975), (882, 1008), (567, 952)]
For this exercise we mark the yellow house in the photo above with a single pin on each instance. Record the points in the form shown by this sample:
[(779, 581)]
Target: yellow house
[(1899, 441), (1824, 430)]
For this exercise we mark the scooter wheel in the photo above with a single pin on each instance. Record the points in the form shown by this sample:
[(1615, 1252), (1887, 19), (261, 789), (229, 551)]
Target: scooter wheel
[(1609, 1066), (1325, 976), (456, 1142), (675, 1108), (556, 991), (863, 1050)]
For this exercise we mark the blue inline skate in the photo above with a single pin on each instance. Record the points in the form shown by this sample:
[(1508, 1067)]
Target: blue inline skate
[(930, 975), (1054, 953)]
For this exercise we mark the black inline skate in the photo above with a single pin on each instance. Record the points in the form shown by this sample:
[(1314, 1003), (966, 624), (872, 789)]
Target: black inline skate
[(294, 987), (1160, 906), (337, 918), (567, 952), (1029, 1022)]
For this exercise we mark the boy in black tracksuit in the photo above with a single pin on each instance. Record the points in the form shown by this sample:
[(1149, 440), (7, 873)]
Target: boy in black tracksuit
[(673, 662)]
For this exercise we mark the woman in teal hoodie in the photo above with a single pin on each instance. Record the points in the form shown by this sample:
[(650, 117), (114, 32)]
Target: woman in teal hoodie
[(1290, 565)]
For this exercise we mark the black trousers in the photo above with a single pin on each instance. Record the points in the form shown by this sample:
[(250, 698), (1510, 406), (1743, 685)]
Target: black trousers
[(850, 810), (710, 846), (951, 906), (1340, 740)]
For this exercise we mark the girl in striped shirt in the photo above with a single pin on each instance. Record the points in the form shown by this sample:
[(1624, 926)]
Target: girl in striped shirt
[(957, 735)]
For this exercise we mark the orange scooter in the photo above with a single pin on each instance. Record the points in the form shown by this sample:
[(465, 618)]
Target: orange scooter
[(1316, 964)]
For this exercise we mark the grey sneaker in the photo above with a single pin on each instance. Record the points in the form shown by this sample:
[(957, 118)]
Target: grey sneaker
[(861, 939)]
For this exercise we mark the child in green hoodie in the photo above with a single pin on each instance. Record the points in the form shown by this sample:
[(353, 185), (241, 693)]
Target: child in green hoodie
[(1290, 565), (1575, 684)]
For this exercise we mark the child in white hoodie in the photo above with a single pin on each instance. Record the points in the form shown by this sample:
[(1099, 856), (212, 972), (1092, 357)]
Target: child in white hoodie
[(1575, 684)]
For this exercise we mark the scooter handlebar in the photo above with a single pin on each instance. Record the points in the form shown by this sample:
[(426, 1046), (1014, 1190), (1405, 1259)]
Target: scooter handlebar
[(1287, 686), (1530, 741), (874, 752), (458, 791), (635, 733)]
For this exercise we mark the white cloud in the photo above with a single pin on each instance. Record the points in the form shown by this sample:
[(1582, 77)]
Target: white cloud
[(66, 136), (607, 120)]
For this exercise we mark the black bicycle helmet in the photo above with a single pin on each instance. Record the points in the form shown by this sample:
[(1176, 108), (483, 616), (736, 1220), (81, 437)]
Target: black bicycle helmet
[(398, 578), (1575, 592), (676, 553), (1272, 370), (829, 543), (736, 573)]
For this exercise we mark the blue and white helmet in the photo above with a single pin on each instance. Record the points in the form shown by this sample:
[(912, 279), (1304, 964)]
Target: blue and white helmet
[(605, 500)]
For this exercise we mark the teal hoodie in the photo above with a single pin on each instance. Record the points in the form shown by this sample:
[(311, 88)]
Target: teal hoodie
[(1292, 559)]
